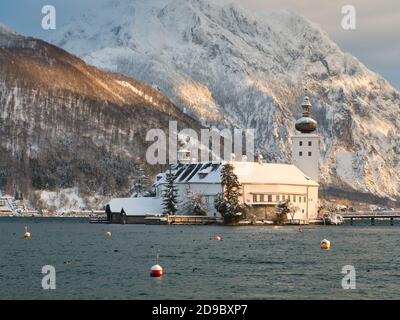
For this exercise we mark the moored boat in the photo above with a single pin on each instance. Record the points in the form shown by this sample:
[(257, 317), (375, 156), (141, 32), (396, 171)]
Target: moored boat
[(333, 219)]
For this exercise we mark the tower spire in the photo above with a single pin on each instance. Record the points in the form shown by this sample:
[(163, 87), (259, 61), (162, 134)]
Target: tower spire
[(306, 124)]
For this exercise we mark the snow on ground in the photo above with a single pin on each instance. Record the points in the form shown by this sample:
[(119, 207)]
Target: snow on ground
[(64, 200)]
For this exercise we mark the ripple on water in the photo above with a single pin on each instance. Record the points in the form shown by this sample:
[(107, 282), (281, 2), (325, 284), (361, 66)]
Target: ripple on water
[(250, 262)]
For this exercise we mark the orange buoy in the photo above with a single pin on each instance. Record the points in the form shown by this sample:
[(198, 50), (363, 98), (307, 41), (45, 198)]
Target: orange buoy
[(27, 234), (218, 238), (325, 244), (108, 234), (156, 271)]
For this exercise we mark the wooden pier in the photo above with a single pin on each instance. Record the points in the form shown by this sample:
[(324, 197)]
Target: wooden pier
[(180, 220), (371, 215), (190, 220), (296, 222), (99, 220)]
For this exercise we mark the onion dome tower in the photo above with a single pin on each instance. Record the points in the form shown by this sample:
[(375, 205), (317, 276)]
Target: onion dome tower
[(305, 148), (305, 155), (306, 124)]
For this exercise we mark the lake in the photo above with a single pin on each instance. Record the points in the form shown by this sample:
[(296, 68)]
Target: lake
[(252, 262)]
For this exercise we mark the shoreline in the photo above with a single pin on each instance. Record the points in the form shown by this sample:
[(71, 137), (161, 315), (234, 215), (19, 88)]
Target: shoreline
[(88, 218)]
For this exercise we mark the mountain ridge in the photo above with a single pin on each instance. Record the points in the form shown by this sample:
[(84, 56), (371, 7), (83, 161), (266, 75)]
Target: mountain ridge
[(65, 125), (230, 68)]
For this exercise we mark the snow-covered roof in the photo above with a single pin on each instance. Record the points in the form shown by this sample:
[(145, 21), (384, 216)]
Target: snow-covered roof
[(136, 206), (271, 173), (247, 172), (194, 173)]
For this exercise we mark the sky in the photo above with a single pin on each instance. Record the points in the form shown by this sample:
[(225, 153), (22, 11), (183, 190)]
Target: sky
[(375, 41)]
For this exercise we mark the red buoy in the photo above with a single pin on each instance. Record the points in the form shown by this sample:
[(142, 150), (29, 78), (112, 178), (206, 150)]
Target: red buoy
[(156, 271), (218, 238)]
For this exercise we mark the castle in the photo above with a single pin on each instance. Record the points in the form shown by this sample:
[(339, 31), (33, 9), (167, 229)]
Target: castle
[(264, 185)]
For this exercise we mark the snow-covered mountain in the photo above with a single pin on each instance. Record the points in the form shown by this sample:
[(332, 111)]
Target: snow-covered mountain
[(69, 127), (230, 67)]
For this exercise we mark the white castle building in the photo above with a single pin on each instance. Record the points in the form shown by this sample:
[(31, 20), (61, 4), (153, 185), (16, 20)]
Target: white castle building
[(264, 185)]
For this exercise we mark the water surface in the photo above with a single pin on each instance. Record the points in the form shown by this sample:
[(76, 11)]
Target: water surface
[(249, 263)]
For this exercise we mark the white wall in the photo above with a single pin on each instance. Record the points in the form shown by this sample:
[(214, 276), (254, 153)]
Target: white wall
[(306, 210), (207, 190), (301, 150)]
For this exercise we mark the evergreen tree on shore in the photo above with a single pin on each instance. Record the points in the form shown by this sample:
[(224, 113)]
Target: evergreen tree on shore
[(170, 195), (227, 203)]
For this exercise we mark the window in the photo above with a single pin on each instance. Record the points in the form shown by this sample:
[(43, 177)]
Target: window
[(294, 198), (254, 198), (304, 198), (278, 198), (300, 153), (261, 198), (283, 198), (300, 143), (309, 153), (299, 199), (309, 143), (302, 211), (269, 198), (288, 197)]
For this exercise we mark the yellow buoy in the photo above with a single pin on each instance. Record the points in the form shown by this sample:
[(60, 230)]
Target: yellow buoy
[(108, 234), (325, 244), (27, 234)]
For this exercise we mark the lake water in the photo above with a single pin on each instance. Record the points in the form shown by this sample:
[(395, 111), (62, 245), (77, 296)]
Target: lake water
[(249, 263)]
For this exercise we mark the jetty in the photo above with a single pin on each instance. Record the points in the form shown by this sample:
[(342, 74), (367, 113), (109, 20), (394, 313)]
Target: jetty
[(371, 215), (181, 220), (99, 219)]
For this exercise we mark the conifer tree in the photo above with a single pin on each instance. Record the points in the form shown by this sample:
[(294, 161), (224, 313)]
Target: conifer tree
[(227, 203), (170, 194)]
